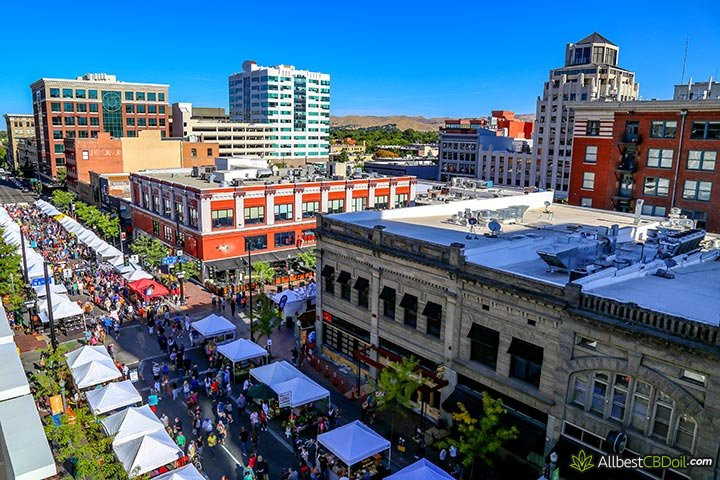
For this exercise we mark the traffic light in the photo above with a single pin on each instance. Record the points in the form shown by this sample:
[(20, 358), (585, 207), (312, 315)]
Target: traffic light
[(211, 271)]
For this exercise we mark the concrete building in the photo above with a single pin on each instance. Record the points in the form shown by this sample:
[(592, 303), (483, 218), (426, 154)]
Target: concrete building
[(90, 104), (651, 155), (505, 122), (212, 214), (234, 138), (106, 154), (709, 90), (297, 102), (419, 167), (21, 134), (347, 145), (590, 74), (598, 330)]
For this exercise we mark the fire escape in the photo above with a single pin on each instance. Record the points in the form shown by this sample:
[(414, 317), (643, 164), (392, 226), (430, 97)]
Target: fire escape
[(627, 167)]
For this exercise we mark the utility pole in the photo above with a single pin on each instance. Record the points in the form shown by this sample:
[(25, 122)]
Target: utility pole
[(53, 338), (25, 270), (247, 247)]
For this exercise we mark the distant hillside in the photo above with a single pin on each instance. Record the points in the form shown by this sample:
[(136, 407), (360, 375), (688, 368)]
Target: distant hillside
[(403, 122)]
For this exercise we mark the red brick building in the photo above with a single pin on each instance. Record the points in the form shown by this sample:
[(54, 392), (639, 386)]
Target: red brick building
[(212, 223), (664, 153), (516, 128)]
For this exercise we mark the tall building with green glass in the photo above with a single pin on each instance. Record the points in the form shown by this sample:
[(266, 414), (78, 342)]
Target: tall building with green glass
[(87, 105), (295, 102)]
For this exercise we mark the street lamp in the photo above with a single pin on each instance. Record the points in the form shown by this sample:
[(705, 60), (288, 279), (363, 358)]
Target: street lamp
[(24, 258), (249, 262), (181, 277), (53, 338), (61, 383)]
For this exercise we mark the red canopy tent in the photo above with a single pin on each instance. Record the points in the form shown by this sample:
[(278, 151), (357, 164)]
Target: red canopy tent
[(148, 289)]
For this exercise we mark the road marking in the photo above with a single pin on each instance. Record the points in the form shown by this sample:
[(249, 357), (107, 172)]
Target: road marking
[(237, 462)]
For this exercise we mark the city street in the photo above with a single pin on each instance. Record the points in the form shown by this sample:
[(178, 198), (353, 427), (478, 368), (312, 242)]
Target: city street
[(11, 193)]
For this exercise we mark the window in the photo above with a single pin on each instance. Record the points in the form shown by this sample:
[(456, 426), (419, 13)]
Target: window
[(579, 392), (694, 377), (92, 94), (256, 242), (152, 108), (139, 95), (54, 93), (401, 200), (130, 122), (336, 206), (193, 216), (685, 433), (167, 233), (641, 406), (129, 108), (140, 108), (222, 218), (587, 343), (283, 212), (433, 316), (156, 227), (381, 201), (141, 122), (209, 152), (151, 97), (599, 390), (161, 97), (409, 303), (654, 210), (309, 209), (701, 160), (588, 181), (193, 152), (663, 413), (388, 300), (591, 154), (254, 215), (484, 345), (328, 274), (593, 128), (705, 130), (657, 187), (55, 107), (344, 280), (660, 157), (67, 93), (697, 190), (586, 202), (156, 203), (167, 207), (59, 148), (284, 239), (359, 204), (82, 107), (93, 108), (619, 397), (179, 214), (129, 96), (525, 361), (663, 129)]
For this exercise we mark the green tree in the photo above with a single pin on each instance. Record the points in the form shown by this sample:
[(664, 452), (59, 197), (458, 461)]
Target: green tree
[(12, 284), (150, 249), (308, 259), (343, 157), (62, 199), (479, 439), (266, 317), (189, 268), (109, 225), (61, 174), (396, 384), (263, 273)]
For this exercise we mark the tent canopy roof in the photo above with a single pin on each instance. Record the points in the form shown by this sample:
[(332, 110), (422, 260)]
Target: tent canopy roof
[(95, 373), (13, 382), (188, 472), (144, 454), (275, 372), (113, 396), (303, 391), (135, 275), (86, 354), (141, 286), (241, 349), (213, 325), (421, 470), (132, 423), (353, 443)]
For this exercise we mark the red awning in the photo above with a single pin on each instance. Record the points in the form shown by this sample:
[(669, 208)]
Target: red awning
[(148, 288)]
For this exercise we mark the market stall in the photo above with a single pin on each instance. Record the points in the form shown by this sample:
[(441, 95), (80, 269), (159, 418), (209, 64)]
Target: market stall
[(47, 208), (421, 470), (94, 373), (351, 448), (62, 307), (135, 275), (131, 423), (86, 354), (188, 472), (148, 289), (214, 327), (41, 291), (144, 454), (301, 391), (275, 372), (295, 300), (113, 396), (242, 352)]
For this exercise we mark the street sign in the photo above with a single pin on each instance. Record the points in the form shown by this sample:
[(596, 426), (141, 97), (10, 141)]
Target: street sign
[(183, 259), (169, 260), (284, 399), (133, 374), (38, 282)]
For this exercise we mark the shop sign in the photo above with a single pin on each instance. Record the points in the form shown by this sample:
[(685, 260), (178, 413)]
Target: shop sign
[(285, 399)]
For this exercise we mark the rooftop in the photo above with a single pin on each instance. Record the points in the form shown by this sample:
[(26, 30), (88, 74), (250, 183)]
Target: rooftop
[(630, 258)]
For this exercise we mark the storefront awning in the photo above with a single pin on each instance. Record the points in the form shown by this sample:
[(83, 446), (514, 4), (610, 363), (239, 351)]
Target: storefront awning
[(361, 284), (327, 271), (387, 293), (409, 301), (344, 277), (432, 310)]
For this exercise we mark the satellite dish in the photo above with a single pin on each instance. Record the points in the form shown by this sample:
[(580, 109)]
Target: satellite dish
[(494, 226), (472, 221)]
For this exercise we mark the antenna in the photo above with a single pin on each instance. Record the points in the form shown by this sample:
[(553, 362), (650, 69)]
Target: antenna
[(687, 41)]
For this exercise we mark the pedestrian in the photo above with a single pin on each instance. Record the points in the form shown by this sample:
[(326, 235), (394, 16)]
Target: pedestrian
[(213, 300), (165, 420), (254, 420), (263, 419), (177, 425), (212, 443), (221, 432), (186, 389), (244, 437), (208, 385), (223, 304), (116, 329), (187, 323), (241, 402), (232, 307), (180, 440), (261, 468), (111, 350), (255, 439), (192, 450), (207, 426), (229, 411)]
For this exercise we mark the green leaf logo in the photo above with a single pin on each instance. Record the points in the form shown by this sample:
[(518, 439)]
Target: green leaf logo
[(582, 462)]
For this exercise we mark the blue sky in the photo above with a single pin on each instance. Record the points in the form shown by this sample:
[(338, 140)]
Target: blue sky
[(385, 58)]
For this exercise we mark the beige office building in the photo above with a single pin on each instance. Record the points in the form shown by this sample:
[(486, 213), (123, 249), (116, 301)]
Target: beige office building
[(21, 134)]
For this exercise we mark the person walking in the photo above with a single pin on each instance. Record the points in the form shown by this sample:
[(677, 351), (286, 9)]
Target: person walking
[(244, 437), (262, 470), (212, 443), (232, 306)]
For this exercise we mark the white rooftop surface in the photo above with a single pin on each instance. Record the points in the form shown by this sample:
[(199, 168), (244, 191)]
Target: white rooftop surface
[(13, 382), (6, 333), (24, 436), (692, 294)]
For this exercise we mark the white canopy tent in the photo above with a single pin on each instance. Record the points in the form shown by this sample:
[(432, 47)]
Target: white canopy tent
[(296, 299), (94, 242), (421, 470), (134, 275), (353, 443), (59, 289), (131, 423), (47, 208), (146, 453), (275, 372), (36, 269), (62, 307), (72, 226), (13, 382), (240, 350), (188, 472), (94, 373), (302, 391), (86, 354), (12, 237), (113, 396), (214, 326)]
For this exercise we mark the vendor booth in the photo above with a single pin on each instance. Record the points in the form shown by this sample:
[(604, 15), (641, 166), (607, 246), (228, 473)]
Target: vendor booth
[(135, 275), (148, 289), (113, 396), (188, 472), (351, 448), (275, 372), (41, 290), (94, 373), (86, 354), (421, 470), (241, 353), (301, 391), (145, 454), (295, 300), (47, 208), (131, 423), (214, 327)]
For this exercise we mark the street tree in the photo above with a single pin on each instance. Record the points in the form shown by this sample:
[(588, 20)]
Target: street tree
[(267, 317), (189, 268), (62, 199), (150, 249), (479, 439), (12, 284), (263, 273), (108, 225), (396, 384), (308, 259)]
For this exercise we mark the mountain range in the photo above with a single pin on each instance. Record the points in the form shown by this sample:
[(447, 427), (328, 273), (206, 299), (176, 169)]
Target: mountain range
[(403, 122)]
